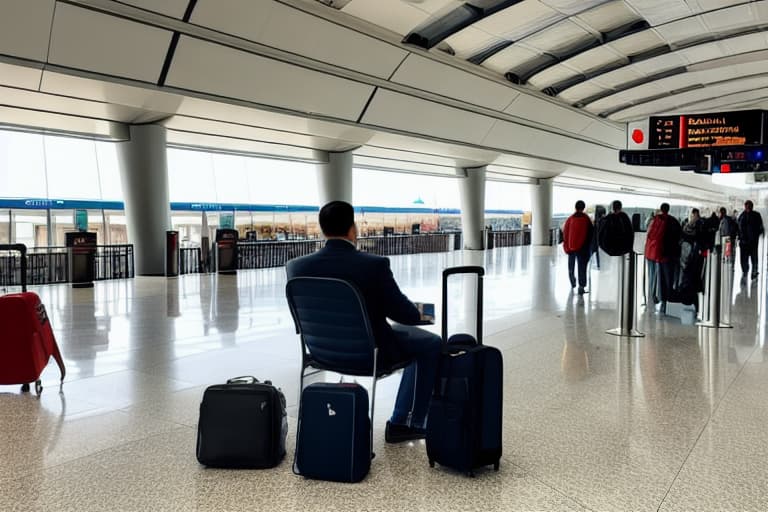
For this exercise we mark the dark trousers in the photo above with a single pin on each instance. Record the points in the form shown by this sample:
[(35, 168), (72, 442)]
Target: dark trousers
[(582, 258), (666, 273), (748, 252), (418, 380)]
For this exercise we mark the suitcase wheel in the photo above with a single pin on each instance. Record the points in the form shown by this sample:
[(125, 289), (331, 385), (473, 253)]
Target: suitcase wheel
[(496, 466), (38, 387), (25, 388), (431, 463)]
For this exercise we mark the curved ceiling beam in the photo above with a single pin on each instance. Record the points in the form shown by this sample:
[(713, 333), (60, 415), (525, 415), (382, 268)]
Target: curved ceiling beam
[(436, 29), (651, 53), (709, 65), (698, 66), (682, 91)]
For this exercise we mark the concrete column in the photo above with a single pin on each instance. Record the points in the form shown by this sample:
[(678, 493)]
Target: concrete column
[(541, 206), (144, 175), (334, 176), (472, 191)]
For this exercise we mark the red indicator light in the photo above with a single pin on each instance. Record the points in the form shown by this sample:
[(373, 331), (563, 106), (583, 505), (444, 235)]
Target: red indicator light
[(725, 168), (637, 136)]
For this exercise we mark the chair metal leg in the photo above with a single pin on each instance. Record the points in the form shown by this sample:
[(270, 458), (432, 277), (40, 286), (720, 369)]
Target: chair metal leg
[(373, 394)]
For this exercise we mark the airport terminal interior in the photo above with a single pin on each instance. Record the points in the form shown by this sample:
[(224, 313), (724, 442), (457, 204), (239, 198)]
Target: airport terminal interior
[(162, 161)]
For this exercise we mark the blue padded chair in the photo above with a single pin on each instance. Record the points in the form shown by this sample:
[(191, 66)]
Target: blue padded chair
[(332, 321)]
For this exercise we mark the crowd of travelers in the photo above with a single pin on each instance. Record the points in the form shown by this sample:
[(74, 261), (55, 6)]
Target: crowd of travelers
[(675, 251)]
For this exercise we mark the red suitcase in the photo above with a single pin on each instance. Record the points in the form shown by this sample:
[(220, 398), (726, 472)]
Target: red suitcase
[(26, 339)]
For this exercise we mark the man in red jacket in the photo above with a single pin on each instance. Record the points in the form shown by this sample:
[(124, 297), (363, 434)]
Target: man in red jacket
[(577, 242), (662, 250)]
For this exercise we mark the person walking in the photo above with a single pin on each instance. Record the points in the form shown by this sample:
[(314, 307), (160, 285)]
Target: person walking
[(577, 243), (750, 231), (662, 248), (599, 216)]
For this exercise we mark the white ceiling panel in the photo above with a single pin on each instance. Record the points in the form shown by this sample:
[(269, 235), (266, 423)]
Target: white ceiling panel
[(236, 74), (172, 8), (214, 142), (580, 91), (661, 11), (702, 52), (466, 43), (61, 123), (560, 38), (637, 43), (549, 113), (278, 26), (658, 64), (682, 31), (236, 131), (733, 18), (510, 58), (608, 16), (519, 20), (709, 5), (395, 15), (88, 40), (618, 77), (551, 76), (570, 7), (613, 135), (64, 105), (432, 76), (624, 97), (406, 113), (746, 43), (592, 60), (24, 28), (363, 161), (20, 76)]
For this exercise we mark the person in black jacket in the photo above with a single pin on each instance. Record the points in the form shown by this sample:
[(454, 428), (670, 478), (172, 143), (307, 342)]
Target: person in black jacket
[(750, 231), (615, 234), (371, 274)]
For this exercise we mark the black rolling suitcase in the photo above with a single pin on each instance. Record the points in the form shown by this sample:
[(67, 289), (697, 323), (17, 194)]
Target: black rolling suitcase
[(334, 434), (243, 425), (465, 420)]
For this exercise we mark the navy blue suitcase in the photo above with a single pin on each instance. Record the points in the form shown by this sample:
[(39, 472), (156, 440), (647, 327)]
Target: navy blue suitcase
[(334, 433), (465, 414)]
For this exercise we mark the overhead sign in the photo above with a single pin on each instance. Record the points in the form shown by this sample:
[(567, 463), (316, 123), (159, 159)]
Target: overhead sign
[(742, 128)]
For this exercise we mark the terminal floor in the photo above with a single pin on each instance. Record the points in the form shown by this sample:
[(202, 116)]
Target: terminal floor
[(673, 421)]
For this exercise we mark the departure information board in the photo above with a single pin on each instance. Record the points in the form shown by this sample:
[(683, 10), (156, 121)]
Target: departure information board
[(707, 130)]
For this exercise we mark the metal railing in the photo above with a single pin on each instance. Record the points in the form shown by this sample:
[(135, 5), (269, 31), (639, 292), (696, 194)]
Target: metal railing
[(190, 260), (407, 244), (50, 265), (113, 262), (251, 255), (511, 238)]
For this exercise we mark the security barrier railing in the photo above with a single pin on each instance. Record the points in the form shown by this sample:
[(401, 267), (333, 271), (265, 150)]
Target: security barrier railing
[(252, 255), (406, 244), (511, 238), (50, 265)]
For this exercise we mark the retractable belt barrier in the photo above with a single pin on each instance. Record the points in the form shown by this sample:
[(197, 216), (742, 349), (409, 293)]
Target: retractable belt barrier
[(626, 300), (718, 286)]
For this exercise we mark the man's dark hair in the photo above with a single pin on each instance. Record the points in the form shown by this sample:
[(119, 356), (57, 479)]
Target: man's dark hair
[(336, 218), (664, 207), (696, 212), (749, 205), (580, 205), (616, 206), (723, 211)]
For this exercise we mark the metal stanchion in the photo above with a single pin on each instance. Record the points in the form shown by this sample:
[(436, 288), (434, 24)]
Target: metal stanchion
[(627, 295), (726, 291), (713, 290)]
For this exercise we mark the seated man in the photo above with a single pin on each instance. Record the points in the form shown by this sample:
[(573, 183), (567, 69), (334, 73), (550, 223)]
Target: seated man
[(371, 274)]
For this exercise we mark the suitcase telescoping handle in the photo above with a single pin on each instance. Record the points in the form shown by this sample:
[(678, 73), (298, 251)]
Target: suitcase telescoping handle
[(21, 249), (468, 269)]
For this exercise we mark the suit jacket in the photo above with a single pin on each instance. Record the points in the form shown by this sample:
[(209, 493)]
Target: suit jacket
[(371, 274)]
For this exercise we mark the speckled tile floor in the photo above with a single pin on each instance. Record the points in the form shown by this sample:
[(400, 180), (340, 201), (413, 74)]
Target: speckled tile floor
[(673, 421)]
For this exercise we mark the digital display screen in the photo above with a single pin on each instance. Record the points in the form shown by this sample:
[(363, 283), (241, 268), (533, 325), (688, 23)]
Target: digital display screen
[(707, 130)]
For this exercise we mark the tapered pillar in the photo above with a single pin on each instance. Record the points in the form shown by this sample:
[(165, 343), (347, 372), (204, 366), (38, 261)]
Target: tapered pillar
[(334, 176), (472, 191), (144, 175), (541, 206)]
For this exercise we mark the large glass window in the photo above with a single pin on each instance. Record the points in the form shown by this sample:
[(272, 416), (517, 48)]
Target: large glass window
[(71, 168), (22, 165), (394, 189)]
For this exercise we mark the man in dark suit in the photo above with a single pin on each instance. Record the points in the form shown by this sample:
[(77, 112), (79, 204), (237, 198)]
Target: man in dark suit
[(402, 341)]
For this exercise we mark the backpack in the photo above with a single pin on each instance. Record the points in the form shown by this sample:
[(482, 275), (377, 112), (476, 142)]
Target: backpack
[(615, 236)]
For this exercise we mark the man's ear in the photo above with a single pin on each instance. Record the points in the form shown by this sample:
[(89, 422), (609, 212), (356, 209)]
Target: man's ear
[(352, 233)]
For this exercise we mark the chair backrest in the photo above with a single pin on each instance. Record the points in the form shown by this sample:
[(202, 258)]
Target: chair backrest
[(332, 319)]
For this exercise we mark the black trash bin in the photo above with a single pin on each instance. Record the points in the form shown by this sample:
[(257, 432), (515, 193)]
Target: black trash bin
[(226, 251), (82, 258), (171, 254)]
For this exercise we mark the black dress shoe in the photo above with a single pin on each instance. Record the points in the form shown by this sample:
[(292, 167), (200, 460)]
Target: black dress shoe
[(401, 433)]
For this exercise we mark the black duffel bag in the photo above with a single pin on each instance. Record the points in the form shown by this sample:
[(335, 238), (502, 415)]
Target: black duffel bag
[(243, 425)]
